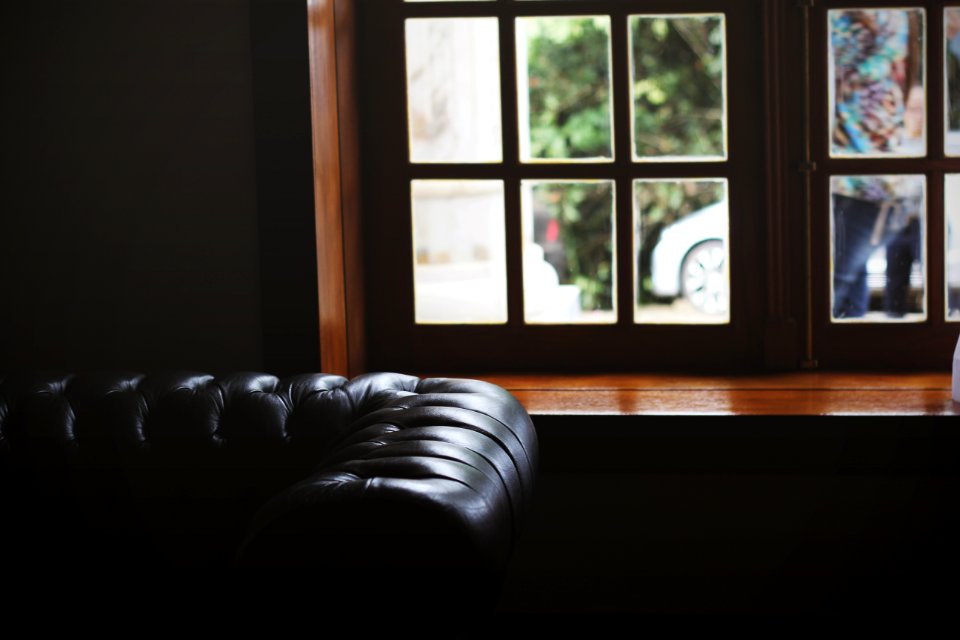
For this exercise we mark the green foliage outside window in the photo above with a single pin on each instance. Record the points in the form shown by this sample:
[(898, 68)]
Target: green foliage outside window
[(677, 88), (584, 212), (569, 71)]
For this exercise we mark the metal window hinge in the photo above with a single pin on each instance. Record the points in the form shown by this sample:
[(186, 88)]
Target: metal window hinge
[(806, 3), (807, 167)]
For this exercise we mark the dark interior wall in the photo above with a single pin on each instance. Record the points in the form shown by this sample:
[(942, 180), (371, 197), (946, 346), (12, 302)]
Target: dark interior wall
[(720, 515), (281, 108), (129, 230)]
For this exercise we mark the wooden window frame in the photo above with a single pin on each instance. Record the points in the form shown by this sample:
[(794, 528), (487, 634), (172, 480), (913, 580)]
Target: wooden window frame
[(784, 326), (922, 345), (400, 342), (334, 108)]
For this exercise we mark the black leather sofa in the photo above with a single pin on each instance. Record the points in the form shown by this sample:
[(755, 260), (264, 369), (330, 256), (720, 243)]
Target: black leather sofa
[(384, 482)]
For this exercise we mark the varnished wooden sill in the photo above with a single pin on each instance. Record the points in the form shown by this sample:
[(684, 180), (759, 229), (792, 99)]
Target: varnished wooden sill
[(784, 394)]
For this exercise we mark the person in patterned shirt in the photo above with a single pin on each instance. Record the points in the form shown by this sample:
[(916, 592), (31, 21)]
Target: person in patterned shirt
[(874, 115), (870, 54)]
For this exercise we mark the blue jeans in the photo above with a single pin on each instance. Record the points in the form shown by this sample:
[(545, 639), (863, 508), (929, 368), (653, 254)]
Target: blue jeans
[(902, 251), (855, 238)]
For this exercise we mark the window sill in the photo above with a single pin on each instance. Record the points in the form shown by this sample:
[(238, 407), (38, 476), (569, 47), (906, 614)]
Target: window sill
[(776, 394)]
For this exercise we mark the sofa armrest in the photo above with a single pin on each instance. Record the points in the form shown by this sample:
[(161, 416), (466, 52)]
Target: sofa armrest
[(431, 475)]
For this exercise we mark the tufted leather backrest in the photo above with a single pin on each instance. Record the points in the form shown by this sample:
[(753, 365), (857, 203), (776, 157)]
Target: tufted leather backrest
[(188, 459), (133, 411)]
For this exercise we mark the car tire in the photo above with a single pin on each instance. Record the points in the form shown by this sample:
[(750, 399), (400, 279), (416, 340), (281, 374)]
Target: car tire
[(703, 278)]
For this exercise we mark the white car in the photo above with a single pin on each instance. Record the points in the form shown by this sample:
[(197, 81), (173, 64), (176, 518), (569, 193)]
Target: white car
[(690, 261)]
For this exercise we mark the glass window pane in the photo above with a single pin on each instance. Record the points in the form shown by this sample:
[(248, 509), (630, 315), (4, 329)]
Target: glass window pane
[(453, 90), (876, 82), (877, 238), (677, 68), (951, 31), (569, 259), (681, 251), (563, 88), (460, 274), (951, 198)]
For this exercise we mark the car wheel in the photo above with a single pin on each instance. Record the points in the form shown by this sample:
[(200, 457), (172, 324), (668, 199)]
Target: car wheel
[(703, 277)]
